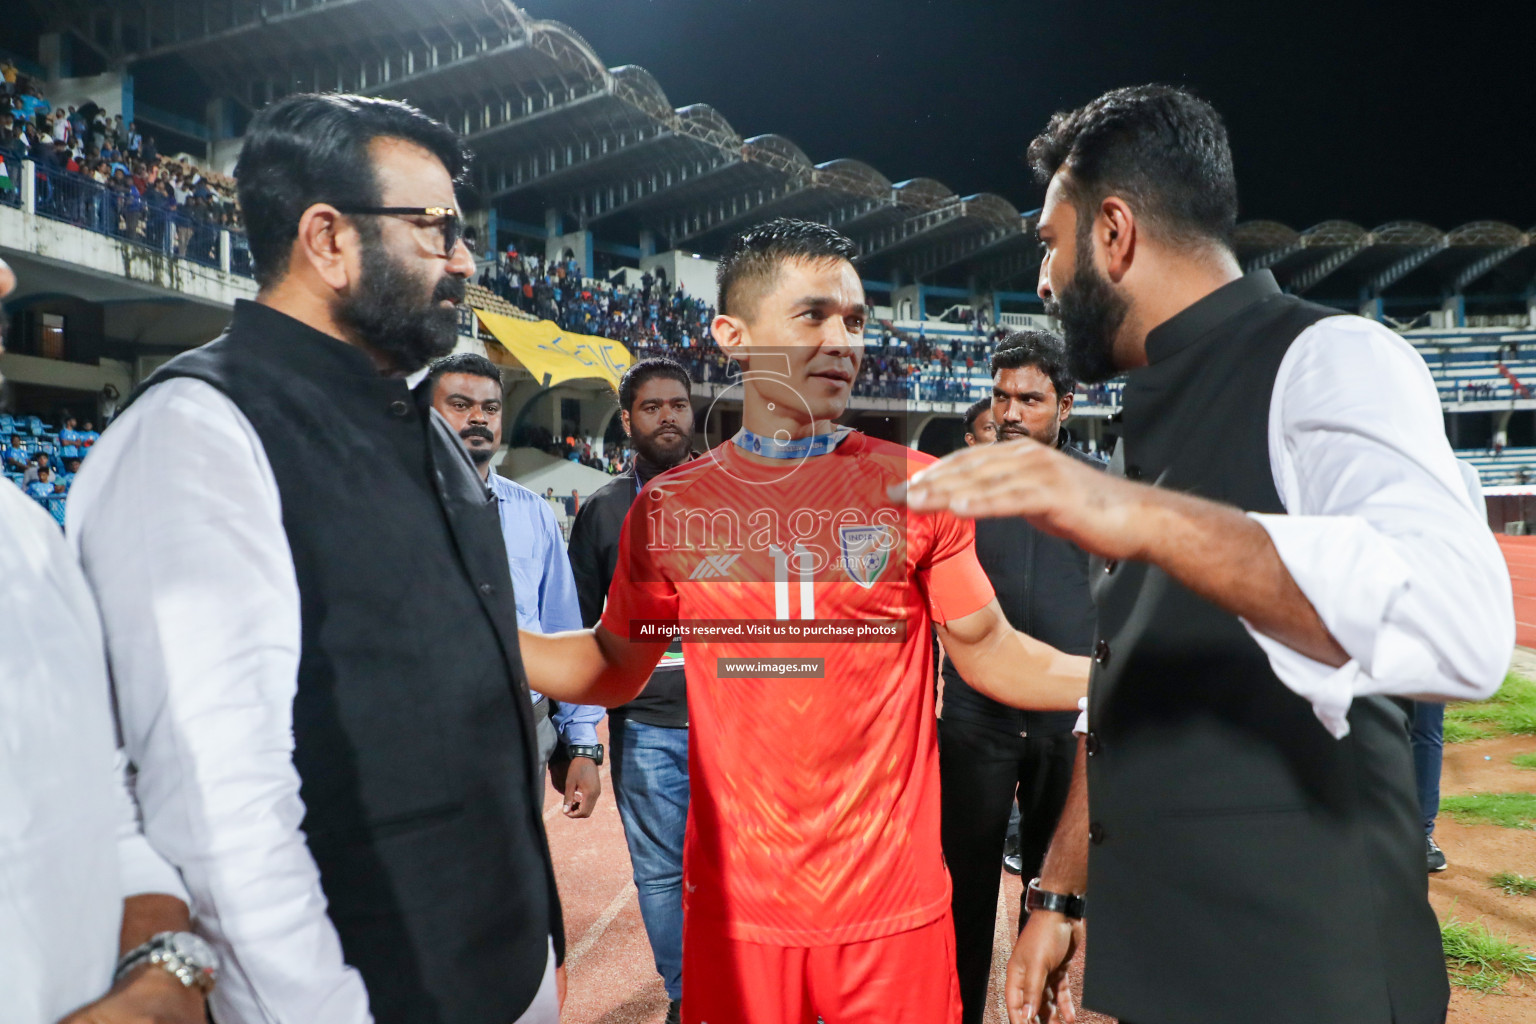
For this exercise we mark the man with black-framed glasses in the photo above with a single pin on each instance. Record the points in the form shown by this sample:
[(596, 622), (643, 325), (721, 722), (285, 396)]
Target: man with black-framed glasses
[(310, 615)]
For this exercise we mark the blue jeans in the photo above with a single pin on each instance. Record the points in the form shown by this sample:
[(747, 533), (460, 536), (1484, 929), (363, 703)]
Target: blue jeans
[(650, 784), (1428, 738)]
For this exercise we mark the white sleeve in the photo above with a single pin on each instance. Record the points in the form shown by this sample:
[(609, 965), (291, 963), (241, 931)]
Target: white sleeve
[(1383, 535), (177, 522), (143, 870)]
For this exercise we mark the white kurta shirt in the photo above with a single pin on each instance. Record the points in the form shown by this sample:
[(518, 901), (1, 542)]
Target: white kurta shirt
[(179, 530), (1385, 534), (177, 520), (61, 899), (1385, 530)]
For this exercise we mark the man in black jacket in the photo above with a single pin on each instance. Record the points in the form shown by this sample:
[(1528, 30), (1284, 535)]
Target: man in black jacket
[(331, 724), (989, 752), (1284, 549), (649, 735)]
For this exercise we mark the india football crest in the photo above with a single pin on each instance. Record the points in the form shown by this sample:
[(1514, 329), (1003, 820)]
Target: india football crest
[(866, 551)]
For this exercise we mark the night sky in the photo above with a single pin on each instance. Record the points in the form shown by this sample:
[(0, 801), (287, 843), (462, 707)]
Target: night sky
[(1369, 112)]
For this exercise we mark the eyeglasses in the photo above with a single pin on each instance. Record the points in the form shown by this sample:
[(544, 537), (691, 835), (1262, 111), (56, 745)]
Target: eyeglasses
[(449, 222)]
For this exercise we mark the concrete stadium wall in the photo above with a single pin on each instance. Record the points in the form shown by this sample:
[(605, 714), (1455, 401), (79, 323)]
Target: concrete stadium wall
[(697, 276), (77, 249), (106, 91), (56, 373)]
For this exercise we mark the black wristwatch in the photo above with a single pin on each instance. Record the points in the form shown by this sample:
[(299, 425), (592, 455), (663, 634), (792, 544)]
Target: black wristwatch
[(1036, 898), (592, 750)]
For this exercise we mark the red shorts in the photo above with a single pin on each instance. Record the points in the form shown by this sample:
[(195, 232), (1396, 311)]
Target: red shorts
[(906, 978)]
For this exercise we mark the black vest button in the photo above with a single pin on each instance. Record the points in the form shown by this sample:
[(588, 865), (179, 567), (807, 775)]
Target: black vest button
[(1101, 652), (1110, 566), (399, 408), (1091, 743), (487, 589), (1133, 472), (1095, 833)]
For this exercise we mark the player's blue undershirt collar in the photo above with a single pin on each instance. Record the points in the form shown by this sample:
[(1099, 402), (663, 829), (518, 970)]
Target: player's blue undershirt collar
[(789, 448)]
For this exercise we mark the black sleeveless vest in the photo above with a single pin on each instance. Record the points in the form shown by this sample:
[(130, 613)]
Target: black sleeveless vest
[(1243, 864), (413, 731)]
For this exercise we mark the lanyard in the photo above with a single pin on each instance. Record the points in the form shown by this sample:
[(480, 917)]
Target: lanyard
[(791, 448)]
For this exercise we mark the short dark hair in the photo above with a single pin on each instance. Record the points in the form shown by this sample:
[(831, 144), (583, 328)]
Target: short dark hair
[(311, 148), (1161, 148), (754, 256), (648, 369), (460, 362), (978, 407), (1040, 349)]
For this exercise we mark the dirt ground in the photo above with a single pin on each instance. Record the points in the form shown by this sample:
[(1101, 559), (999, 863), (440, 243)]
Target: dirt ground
[(1476, 852)]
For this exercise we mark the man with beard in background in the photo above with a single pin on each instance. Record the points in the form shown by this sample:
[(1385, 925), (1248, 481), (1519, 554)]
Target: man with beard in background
[(649, 735), (309, 614), (990, 754), (465, 389)]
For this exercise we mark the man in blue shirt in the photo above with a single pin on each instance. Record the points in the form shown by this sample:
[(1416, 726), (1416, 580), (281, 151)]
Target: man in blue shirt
[(466, 390)]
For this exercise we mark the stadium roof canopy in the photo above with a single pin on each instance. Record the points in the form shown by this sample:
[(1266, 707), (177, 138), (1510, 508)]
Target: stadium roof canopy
[(552, 127), (1340, 260)]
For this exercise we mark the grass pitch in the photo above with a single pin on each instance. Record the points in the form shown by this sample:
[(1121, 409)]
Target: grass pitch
[(1509, 712), (1514, 884), (1507, 810), (1480, 960)]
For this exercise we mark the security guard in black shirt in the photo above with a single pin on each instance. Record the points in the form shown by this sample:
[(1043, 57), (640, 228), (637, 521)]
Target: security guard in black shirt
[(990, 753)]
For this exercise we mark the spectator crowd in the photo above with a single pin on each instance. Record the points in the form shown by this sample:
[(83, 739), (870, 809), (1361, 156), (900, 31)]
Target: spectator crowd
[(652, 316), (43, 462), (95, 170)]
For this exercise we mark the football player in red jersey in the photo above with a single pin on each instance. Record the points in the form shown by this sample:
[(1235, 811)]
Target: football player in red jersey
[(814, 883)]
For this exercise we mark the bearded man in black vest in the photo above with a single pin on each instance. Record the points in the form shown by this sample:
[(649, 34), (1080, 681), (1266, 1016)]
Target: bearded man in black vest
[(309, 612), (1285, 549)]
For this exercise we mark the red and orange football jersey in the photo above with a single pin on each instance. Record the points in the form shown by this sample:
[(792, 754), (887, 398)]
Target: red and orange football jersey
[(804, 600)]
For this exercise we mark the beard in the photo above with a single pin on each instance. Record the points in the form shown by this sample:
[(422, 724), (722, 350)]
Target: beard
[(662, 449), (385, 311), (1091, 312)]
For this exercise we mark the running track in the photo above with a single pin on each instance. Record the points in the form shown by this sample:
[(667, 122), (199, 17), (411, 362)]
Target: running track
[(1520, 553)]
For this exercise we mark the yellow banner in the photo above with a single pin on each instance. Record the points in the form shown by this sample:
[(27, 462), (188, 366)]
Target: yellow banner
[(553, 355)]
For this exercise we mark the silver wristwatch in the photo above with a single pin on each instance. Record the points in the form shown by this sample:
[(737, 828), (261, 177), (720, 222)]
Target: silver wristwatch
[(191, 960)]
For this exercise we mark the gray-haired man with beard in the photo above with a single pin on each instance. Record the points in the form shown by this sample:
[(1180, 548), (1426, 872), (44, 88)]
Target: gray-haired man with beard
[(309, 613)]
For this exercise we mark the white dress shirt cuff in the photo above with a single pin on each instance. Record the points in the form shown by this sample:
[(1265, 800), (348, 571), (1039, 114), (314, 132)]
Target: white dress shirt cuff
[(1352, 575), (1081, 728)]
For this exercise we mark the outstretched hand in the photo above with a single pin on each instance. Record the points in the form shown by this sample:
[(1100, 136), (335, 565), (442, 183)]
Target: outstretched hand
[(1055, 492), (1037, 983)]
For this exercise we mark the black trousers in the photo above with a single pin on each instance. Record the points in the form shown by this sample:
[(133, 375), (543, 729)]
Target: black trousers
[(981, 769)]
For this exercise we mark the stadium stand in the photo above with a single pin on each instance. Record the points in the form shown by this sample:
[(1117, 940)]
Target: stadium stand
[(600, 181), (46, 480), (90, 169)]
